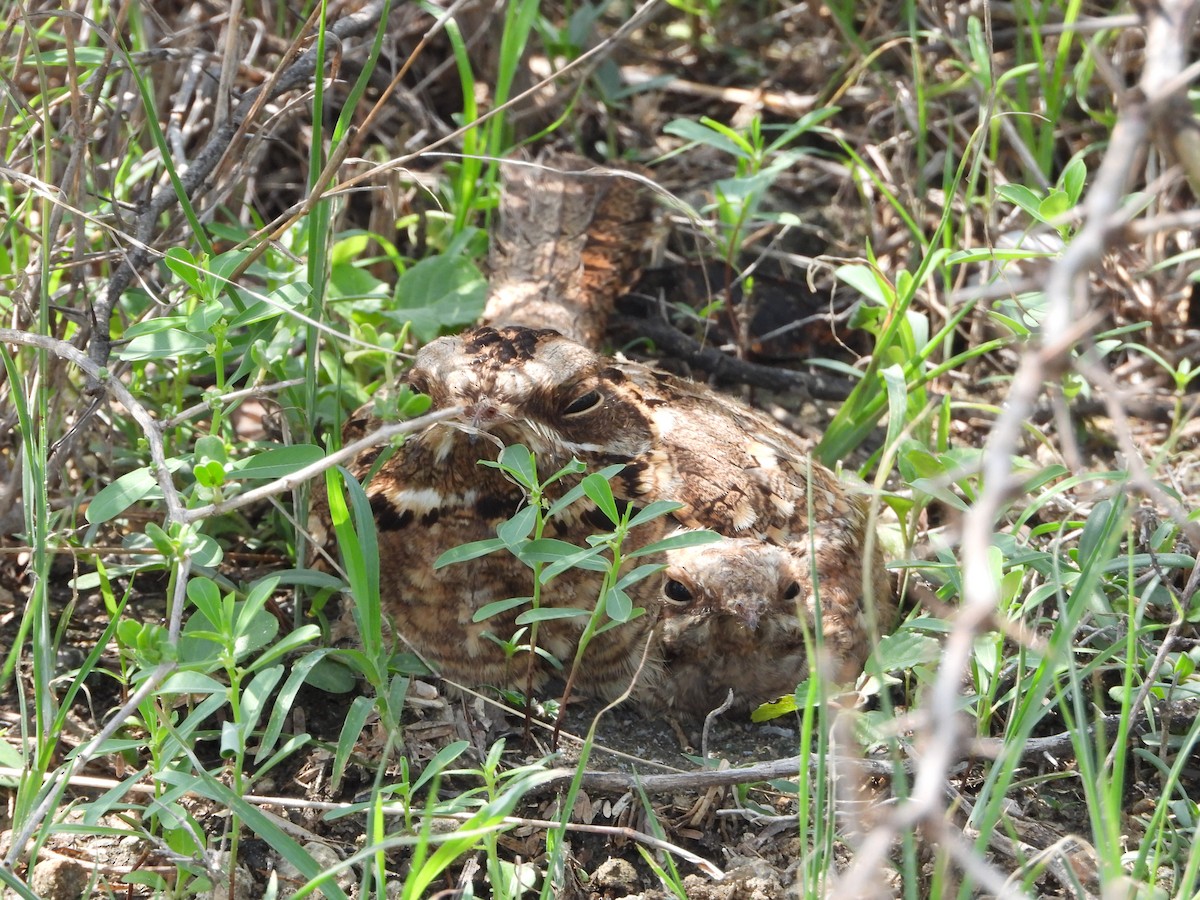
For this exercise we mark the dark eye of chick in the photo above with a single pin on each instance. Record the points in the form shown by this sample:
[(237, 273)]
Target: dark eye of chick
[(418, 384), (584, 403), (792, 592), (677, 592)]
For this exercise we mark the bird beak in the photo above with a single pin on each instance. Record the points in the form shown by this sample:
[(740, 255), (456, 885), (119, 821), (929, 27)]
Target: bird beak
[(748, 610)]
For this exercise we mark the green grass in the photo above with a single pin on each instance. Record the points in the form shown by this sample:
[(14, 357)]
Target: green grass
[(940, 153)]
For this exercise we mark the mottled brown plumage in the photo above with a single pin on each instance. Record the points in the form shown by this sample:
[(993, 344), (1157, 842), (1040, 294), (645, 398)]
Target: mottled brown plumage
[(433, 495), (733, 469)]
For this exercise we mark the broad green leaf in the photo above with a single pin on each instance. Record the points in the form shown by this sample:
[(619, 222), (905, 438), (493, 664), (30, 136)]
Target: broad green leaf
[(617, 605), (599, 491), (180, 261), (518, 461), (864, 280), (547, 550), (499, 606), (170, 344), (254, 631), (1053, 206), (113, 499), (191, 683), (278, 462), (467, 552), (677, 542), (437, 293), (333, 677), (576, 492), (206, 597), (904, 650), (1021, 196), (653, 511), (550, 613), (515, 530), (1073, 178)]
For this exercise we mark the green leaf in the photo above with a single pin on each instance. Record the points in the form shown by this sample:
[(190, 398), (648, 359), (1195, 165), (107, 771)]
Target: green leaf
[(691, 130), (653, 511), (550, 613), (333, 676), (437, 293), (206, 597), (897, 396), (191, 683), (113, 499), (547, 550), (253, 632), (356, 718), (1021, 196), (518, 461), (904, 650), (636, 575), (170, 344), (278, 462), (599, 491), (467, 552), (516, 529), (180, 261), (1053, 206), (677, 542), (576, 492), (774, 709), (299, 673), (864, 280), (617, 605), (283, 299), (496, 607), (590, 559), (209, 474), (440, 761), (1073, 178), (289, 643)]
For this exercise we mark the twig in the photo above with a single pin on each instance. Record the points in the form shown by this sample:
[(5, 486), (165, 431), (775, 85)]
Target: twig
[(725, 368), (141, 415), (300, 476)]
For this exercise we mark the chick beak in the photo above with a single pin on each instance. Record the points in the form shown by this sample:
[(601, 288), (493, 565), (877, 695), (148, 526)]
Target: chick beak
[(483, 414), (747, 609)]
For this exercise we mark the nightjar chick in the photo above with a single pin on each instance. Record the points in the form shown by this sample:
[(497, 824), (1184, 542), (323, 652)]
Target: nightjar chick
[(735, 616), (740, 614)]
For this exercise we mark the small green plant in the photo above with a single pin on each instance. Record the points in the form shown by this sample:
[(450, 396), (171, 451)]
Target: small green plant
[(523, 537), (760, 154)]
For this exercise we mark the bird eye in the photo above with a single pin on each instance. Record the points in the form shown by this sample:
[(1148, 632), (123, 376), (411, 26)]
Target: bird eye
[(583, 403), (418, 383), (792, 592), (677, 591)]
